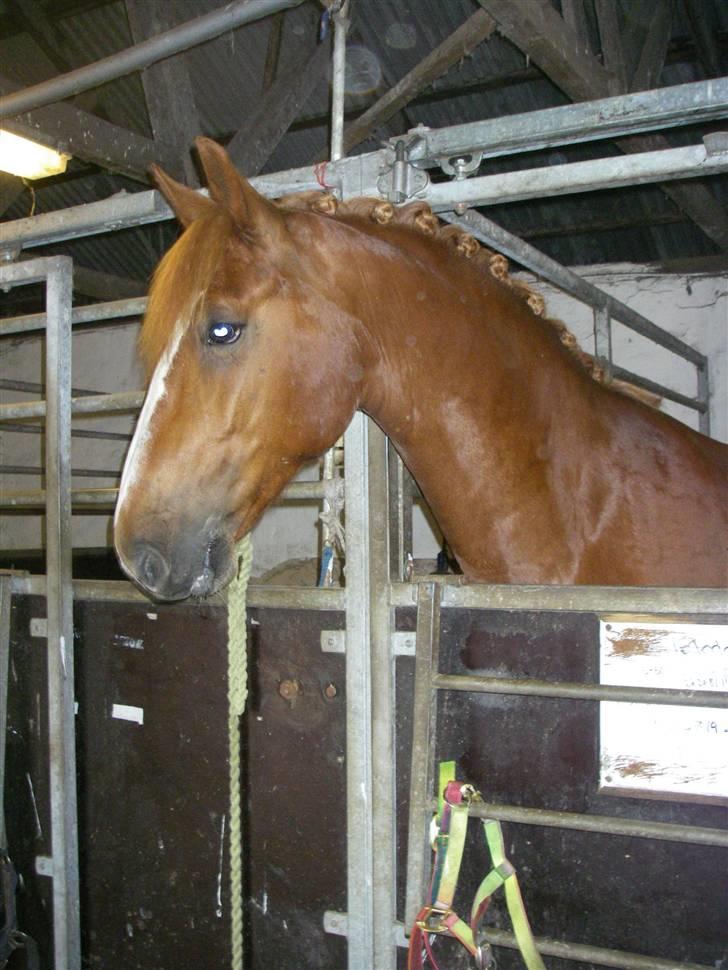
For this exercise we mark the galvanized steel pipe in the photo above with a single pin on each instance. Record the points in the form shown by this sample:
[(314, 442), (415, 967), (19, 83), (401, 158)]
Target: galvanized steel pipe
[(141, 55)]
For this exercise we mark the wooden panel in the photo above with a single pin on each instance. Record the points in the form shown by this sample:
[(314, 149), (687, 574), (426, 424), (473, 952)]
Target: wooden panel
[(152, 796)]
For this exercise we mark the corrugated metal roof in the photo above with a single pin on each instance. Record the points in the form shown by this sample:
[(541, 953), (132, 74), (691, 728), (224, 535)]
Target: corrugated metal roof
[(387, 39)]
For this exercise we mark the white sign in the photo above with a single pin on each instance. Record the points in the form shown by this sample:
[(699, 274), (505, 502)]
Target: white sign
[(663, 750)]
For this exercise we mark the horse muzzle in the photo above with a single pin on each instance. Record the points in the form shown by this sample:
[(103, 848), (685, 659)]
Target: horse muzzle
[(174, 572)]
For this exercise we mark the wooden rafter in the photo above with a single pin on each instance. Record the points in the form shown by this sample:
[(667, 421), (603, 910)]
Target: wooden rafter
[(459, 44), (538, 30), (66, 128), (654, 49), (609, 36), (702, 30), (254, 143), (10, 188), (171, 106)]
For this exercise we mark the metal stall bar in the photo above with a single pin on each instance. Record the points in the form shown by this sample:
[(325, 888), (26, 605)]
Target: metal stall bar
[(427, 680), (57, 271), (492, 234), (527, 687), (580, 599), (105, 498), (682, 104), (110, 311)]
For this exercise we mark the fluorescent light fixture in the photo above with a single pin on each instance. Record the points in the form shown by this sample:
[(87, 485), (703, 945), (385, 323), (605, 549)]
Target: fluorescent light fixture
[(27, 159)]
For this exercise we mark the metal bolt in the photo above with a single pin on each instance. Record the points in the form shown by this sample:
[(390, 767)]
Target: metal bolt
[(330, 691), (289, 690)]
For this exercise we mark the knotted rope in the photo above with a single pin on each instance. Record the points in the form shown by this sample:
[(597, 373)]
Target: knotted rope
[(237, 696)]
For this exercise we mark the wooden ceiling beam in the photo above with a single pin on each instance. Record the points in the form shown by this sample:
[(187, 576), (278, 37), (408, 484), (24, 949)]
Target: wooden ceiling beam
[(254, 143), (551, 43), (611, 43), (69, 129), (454, 48), (105, 286), (654, 50), (538, 30), (173, 116), (10, 188), (703, 34)]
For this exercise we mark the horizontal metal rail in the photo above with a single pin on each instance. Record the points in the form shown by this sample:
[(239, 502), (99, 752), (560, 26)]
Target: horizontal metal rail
[(598, 174), (95, 404), (695, 404), (683, 104), (136, 58), (105, 498), (360, 174), (531, 687), (328, 598), (75, 432), (602, 824), (110, 311), (75, 472), (570, 282), (574, 599), (337, 923)]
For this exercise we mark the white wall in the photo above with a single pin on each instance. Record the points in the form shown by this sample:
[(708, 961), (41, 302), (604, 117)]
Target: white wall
[(695, 308)]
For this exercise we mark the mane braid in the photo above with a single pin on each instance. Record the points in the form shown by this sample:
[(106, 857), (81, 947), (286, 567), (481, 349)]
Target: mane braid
[(419, 216)]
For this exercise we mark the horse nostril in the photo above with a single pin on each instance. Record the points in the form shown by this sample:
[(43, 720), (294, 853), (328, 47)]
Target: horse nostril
[(152, 567)]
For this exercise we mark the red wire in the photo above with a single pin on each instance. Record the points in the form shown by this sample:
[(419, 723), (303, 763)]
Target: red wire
[(319, 170)]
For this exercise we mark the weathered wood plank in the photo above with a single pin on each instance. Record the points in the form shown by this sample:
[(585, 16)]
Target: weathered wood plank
[(654, 50), (173, 115), (611, 43), (66, 128), (459, 44), (701, 28), (254, 143), (10, 188), (542, 35), (538, 30)]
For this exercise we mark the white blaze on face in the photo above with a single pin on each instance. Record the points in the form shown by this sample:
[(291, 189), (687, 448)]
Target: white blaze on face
[(137, 455)]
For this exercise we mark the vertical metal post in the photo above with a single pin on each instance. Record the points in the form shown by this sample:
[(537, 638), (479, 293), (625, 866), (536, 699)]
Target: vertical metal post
[(5, 596), (370, 705), (704, 397), (424, 721), (338, 83), (400, 514), (360, 847), (61, 726), (383, 705), (341, 27), (603, 340)]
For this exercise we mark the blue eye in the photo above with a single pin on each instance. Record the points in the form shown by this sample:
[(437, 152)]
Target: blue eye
[(223, 333)]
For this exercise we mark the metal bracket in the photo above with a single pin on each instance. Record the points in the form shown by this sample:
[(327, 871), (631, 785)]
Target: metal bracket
[(460, 166), (403, 642), (399, 180)]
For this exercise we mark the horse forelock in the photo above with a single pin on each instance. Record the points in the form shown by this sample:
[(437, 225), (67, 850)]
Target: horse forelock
[(180, 282)]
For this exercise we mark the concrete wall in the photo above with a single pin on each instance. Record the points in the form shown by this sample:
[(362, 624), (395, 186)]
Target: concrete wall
[(695, 308)]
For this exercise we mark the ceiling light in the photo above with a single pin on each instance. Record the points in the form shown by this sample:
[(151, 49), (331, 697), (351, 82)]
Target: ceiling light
[(27, 159)]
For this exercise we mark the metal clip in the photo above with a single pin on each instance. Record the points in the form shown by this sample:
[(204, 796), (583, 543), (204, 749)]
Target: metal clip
[(434, 920)]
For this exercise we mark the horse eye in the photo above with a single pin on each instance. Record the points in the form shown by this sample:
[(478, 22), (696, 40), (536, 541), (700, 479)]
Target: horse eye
[(223, 333)]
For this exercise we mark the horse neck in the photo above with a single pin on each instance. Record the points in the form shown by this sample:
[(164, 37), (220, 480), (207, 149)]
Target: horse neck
[(469, 386)]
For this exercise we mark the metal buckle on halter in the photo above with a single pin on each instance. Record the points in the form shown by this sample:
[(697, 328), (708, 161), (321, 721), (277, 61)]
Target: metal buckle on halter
[(434, 920), (484, 957)]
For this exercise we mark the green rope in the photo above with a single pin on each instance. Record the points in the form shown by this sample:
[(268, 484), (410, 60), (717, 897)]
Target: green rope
[(237, 695)]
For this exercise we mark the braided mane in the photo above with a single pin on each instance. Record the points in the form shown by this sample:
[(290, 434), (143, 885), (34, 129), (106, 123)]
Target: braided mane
[(419, 216)]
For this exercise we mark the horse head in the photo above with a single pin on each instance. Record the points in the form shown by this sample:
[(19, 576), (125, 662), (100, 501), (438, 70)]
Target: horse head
[(251, 373)]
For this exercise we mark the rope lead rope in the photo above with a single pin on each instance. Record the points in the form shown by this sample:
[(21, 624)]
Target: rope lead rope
[(237, 696)]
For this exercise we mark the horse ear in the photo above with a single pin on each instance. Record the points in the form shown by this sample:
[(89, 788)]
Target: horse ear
[(186, 204), (252, 212)]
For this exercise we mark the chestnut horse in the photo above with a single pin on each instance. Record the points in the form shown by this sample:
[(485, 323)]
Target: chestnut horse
[(269, 325)]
